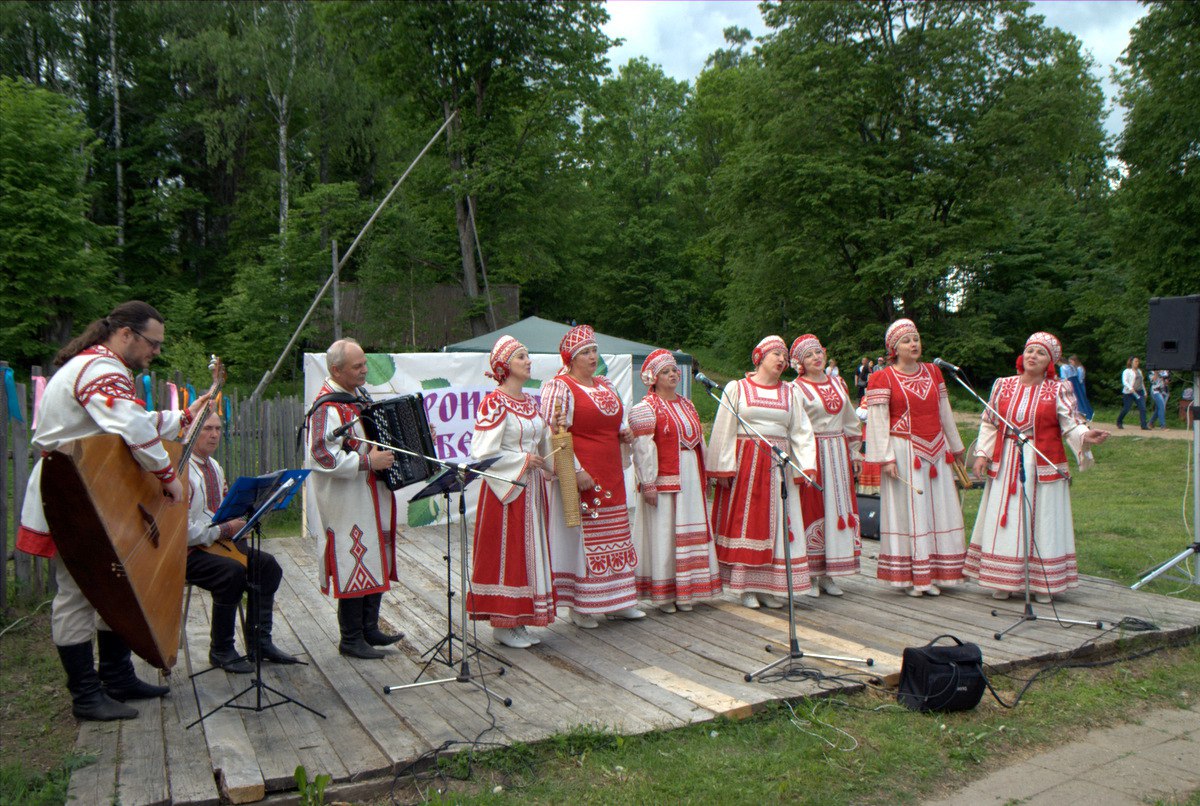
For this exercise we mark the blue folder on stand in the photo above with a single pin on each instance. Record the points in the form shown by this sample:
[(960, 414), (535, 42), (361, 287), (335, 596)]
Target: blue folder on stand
[(249, 493)]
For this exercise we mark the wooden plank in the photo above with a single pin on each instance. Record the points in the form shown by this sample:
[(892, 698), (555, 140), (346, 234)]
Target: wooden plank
[(234, 761), (142, 767), (814, 641), (716, 701), (96, 783), (336, 745), (636, 640), (398, 737), (189, 768), (543, 683)]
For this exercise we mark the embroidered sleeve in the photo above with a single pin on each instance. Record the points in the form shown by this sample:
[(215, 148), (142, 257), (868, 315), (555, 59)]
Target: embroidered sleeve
[(556, 392), (642, 421), (1073, 426), (105, 390), (325, 449), (985, 443), (949, 426), (802, 443), (722, 445)]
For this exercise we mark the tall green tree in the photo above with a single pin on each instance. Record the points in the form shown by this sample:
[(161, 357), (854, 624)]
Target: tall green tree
[(890, 156), (643, 217), (54, 260), (1157, 204), (516, 75)]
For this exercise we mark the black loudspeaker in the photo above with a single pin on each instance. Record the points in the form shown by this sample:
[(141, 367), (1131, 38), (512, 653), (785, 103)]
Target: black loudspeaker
[(1173, 337), (868, 515)]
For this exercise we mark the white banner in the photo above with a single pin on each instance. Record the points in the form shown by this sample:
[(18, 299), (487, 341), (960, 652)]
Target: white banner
[(453, 385)]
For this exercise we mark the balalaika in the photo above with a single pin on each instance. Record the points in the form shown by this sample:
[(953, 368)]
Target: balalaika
[(401, 421)]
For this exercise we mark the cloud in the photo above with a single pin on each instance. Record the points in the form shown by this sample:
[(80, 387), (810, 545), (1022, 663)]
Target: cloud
[(677, 35)]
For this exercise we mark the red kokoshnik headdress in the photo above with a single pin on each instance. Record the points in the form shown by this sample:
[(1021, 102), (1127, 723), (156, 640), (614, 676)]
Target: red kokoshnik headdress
[(578, 339), (801, 346), (896, 331), (655, 363), (1048, 342), (765, 346), (506, 347)]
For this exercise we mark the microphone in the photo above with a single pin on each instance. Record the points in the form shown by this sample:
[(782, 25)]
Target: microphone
[(946, 365), (707, 381), (342, 430)]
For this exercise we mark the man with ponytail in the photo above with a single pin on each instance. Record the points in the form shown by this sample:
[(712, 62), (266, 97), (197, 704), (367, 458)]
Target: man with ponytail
[(92, 393)]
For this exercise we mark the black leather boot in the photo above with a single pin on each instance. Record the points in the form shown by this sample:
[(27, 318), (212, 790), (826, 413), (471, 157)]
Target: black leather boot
[(88, 700), (371, 632), (261, 613), (116, 671), (350, 620), (221, 651)]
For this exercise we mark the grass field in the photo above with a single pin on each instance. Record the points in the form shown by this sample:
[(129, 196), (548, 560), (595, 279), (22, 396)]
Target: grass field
[(860, 749)]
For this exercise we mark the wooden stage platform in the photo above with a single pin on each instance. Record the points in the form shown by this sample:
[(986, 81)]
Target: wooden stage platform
[(662, 672)]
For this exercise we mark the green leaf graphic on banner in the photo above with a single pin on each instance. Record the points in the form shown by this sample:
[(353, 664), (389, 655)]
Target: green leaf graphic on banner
[(601, 367), (435, 383), (380, 369), (423, 512), (532, 383)]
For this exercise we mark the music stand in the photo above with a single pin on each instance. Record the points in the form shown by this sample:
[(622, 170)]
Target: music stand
[(252, 497), (456, 478)]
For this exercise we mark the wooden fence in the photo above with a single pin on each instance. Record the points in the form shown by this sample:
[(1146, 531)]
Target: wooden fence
[(258, 438)]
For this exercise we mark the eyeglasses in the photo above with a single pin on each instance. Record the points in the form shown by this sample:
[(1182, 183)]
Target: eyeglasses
[(154, 344)]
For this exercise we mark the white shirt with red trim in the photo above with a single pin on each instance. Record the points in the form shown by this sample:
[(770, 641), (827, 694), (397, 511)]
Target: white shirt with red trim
[(93, 394)]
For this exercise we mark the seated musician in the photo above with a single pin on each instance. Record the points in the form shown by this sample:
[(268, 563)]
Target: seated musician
[(93, 394), (227, 569), (357, 512)]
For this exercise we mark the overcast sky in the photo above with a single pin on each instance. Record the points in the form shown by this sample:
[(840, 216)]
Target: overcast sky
[(679, 35)]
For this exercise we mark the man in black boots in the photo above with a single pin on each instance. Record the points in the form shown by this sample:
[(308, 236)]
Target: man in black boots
[(93, 394), (228, 569), (357, 511)]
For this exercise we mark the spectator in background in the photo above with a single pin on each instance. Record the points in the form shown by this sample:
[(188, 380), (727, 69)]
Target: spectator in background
[(1159, 392), (1080, 387), (1133, 391), (878, 364), (832, 370), (861, 376)]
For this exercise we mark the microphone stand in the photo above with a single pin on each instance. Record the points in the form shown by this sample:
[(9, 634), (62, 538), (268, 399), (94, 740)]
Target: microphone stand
[(464, 475), (1027, 532), (794, 653)]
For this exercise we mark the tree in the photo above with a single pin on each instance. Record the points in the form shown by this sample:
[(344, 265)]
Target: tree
[(888, 155), (515, 74), (642, 219), (56, 268), (1157, 220)]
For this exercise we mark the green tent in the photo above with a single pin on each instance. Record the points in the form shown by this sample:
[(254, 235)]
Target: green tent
[(543, 336)]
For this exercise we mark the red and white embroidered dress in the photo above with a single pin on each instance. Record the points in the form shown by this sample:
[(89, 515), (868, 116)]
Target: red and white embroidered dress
[(593, 563), (831, 526), (511, 578), (356, 509), (677, 561), (1047, 413), (749, 522), (909, 421), (93, 394)]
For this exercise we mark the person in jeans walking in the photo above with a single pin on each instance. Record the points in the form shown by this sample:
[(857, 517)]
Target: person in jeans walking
[(1133, 392)]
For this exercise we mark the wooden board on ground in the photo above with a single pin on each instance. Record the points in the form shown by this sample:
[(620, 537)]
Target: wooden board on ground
[(662, 672)]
